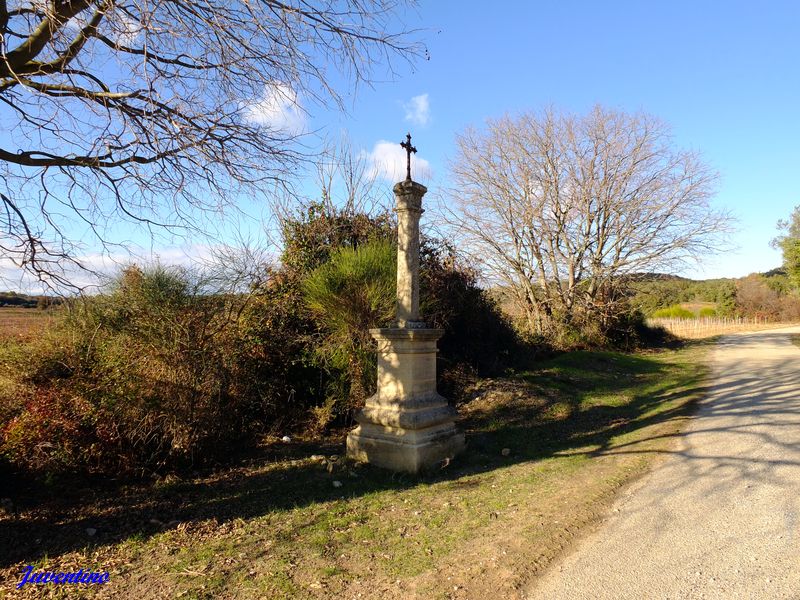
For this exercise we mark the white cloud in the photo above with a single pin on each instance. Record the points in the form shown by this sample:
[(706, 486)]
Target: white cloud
[(118, 26), (418, 110), (388, 160), (278, 109), (125, 29), (99, 268)]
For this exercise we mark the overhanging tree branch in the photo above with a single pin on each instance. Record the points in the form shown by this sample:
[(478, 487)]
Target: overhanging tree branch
[(157, 113)]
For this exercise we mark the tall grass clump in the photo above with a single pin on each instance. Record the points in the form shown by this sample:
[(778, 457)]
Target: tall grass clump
[(351, 293)]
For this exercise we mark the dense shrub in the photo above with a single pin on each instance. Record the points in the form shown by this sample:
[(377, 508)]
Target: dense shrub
[(163, 371), (310, 381), (56, 430), (767, 298), (275, 353), (631, 332), (479, 339), (311, 235), (153, 370)]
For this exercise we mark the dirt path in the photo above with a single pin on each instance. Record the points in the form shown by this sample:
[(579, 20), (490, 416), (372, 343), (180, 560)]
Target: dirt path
[(721, 517)]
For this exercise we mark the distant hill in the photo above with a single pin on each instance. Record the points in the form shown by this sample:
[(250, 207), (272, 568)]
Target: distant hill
[(24, 301), (656, 277), (645, 277), (776, 272)]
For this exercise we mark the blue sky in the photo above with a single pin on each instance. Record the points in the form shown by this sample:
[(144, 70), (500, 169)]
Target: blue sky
[(725, 76)]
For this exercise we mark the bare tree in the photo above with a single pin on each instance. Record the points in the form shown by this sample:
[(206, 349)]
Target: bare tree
[(349, 183), (152, 112), (349, 195), (560, 208)]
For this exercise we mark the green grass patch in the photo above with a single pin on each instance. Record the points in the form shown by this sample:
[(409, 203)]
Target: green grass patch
[(673, 312)]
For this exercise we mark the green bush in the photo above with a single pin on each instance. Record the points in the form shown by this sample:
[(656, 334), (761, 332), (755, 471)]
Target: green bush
[(707, 311), (673, 312)]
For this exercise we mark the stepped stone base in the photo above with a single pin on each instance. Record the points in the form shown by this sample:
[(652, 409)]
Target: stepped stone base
[(406, 426), (391, 449)]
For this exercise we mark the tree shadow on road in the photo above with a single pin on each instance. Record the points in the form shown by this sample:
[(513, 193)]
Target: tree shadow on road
[(746, 434)]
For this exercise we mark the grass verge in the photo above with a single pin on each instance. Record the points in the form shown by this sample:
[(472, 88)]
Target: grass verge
[(576, 429)]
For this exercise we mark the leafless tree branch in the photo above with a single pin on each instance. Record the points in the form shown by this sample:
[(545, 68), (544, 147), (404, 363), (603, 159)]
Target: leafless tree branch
[(146, 112)]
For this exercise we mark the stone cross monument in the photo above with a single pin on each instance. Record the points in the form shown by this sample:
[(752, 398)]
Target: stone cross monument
[(406, 425)]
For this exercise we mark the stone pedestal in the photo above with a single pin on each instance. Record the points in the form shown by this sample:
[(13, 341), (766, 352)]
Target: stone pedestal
[(406, 425)]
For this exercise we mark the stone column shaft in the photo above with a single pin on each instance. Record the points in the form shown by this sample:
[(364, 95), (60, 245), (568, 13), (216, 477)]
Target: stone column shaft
[(409, 209)]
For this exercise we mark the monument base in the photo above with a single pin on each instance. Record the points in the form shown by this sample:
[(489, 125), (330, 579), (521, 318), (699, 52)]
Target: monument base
[(401, 450), (406, 426)]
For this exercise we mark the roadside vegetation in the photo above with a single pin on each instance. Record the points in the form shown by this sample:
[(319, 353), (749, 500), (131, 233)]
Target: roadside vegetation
[(147, 421), (168, 370), (769, 296), (549, 446)]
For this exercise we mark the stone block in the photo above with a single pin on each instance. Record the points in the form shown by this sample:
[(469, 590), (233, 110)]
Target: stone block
[(406, 425)]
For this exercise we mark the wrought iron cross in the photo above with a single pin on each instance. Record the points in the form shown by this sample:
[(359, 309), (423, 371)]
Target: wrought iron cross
[(409, 149)]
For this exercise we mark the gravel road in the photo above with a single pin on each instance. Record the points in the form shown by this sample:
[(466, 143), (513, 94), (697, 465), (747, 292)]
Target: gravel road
[(719, 517)]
